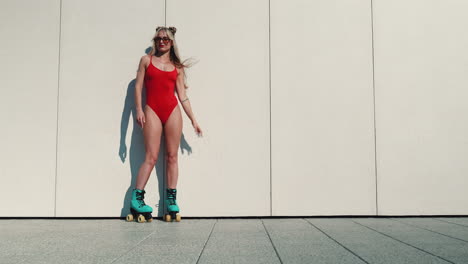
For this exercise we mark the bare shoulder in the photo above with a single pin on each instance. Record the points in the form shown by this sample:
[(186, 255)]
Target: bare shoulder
[(180, 71), (145, 59)]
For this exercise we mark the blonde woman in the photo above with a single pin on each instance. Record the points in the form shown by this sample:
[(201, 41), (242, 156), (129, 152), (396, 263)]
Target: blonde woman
[(162, 73)]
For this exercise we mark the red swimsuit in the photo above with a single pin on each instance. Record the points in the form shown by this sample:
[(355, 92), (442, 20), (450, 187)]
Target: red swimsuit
[(160, 87)]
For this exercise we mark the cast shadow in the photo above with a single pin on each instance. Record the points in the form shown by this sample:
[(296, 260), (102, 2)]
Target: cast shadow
[(136, 153)]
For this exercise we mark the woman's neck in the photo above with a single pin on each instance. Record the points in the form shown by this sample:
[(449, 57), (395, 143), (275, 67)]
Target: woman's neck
[(163, 56)]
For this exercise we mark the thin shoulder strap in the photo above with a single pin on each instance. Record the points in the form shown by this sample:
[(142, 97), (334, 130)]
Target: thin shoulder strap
[(151, 58)]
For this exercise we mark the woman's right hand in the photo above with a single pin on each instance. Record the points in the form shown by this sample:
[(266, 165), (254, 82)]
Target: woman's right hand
[(140, 117)]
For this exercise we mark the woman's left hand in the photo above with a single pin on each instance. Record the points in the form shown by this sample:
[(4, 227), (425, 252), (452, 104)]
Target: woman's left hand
[(197, 129)]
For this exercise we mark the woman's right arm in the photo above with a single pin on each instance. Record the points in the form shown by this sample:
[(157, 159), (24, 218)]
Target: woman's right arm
[(138, 90)]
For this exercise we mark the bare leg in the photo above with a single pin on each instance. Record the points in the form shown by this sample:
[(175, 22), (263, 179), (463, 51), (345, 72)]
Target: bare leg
[(173, 132), (152, 130)]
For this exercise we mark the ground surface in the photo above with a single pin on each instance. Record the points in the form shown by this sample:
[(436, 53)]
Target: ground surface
[(263, 240)]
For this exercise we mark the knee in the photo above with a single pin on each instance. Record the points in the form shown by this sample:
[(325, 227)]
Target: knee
[(171, 158), (151, 158)]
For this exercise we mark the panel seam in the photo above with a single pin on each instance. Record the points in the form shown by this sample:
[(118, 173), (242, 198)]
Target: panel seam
[(373, 95), (269, 94), (57, 107)]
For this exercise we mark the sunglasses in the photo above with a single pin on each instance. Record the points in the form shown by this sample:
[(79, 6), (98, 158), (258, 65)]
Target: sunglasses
[(165, 40)]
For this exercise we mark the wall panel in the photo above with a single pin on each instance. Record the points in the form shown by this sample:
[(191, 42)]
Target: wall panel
[(227, 171), (28, 106), (421, 109), (100, 147), (322, 108)]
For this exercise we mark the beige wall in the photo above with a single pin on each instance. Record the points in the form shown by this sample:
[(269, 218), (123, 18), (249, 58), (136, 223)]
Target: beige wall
[(101, 46), (304, 72), (322, 108), (421, 106), (228, 172), (29, 52)]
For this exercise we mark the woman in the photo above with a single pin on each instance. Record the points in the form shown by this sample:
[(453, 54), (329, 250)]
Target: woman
[(162, 72)]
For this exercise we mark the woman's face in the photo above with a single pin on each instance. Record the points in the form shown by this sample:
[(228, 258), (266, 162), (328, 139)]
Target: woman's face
[(162, 41)]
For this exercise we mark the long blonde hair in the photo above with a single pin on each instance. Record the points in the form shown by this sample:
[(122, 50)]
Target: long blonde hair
[(174, 54)]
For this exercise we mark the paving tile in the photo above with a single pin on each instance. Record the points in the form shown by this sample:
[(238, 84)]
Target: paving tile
[(239, 241), (372, 246), (298, 242), (462, 221), (186, 232), (76, 225), (71, 259), (25, 243), (161, 254), (311, 240), (449, 249), (172, 243), (14, 259), (442, 227), (107, 242)]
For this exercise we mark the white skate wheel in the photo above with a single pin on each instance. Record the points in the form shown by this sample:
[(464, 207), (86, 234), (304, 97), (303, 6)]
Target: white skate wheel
[(167, 218), (129, 218), (141, 219)]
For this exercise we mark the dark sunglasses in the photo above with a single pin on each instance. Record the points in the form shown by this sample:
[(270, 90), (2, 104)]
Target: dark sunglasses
[(164, 39)]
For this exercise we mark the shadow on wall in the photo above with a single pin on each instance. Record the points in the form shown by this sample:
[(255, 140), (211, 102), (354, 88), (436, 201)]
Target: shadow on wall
[(137, 151)]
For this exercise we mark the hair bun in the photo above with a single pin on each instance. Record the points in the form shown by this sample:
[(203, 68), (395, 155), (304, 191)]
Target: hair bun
[(173, 30)]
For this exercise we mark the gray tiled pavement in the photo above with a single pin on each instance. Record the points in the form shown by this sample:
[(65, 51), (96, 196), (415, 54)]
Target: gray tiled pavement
[(262, 240)]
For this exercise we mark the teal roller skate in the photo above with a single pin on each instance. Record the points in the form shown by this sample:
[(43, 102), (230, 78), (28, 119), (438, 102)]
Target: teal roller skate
[(172, 207), (139, 210)]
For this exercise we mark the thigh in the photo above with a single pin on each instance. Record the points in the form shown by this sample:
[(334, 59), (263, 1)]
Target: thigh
[(173, 130), (152, 130)]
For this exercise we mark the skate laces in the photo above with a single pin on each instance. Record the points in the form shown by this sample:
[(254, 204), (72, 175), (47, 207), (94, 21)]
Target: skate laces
[(171, 196), (172, 202), (139, 197)]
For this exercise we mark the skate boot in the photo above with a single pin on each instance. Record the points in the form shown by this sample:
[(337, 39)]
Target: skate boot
[(139, 210), (172, 207)]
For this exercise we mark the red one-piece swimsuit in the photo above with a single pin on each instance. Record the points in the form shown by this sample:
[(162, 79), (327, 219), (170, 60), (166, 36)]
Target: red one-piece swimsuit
[(160, 88)]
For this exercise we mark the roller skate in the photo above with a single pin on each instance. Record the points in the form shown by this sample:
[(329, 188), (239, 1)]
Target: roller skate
[(171, 206), (139, 210)]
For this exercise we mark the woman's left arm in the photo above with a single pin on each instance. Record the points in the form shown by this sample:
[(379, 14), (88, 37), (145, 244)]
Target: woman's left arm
[(184, 100)]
